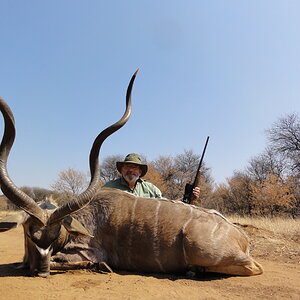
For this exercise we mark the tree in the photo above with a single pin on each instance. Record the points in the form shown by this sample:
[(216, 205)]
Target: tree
[(284, 137), (108, 170), (236, 195), (294, 184), (269, 162), (165, 166), (179, 170), (272, 196), (70, 182), (186, 165), (36, 193), (156, 178)]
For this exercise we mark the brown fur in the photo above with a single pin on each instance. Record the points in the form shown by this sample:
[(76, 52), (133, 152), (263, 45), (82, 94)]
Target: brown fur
[(139, 234), (159, 235)]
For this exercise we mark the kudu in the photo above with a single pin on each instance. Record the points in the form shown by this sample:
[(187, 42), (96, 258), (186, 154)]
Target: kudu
[(120, 230)]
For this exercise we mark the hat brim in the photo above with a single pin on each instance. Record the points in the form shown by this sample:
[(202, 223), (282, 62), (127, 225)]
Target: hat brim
[(144, 168)]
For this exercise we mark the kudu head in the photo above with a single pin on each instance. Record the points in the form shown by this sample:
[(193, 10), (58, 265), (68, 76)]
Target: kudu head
[(47, 229)]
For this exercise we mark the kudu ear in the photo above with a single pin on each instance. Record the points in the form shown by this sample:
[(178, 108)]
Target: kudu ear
[(74, 227), (12, 221)]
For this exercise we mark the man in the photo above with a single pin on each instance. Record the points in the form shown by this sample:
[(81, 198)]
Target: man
[(132, 169)]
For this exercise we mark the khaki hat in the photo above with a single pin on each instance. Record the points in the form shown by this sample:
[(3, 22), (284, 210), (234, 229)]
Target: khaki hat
[(133, 158)]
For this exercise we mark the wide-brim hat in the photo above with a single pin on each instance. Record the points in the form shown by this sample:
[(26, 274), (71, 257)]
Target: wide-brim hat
[(133, 158)]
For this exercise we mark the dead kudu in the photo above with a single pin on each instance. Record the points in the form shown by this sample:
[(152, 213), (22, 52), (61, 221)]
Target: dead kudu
[(120, 230)]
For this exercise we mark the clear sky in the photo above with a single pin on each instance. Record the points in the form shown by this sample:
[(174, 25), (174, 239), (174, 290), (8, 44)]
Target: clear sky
[(227, 69)]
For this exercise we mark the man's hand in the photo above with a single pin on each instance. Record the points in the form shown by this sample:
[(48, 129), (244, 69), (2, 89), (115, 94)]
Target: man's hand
[(196, 192)]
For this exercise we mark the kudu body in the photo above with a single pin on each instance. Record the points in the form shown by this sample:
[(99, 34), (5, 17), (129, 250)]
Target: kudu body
[(119, 229), (158, 235)]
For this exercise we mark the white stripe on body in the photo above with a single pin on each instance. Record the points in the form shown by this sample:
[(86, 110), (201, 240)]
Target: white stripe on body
[(183, 231), (156, 240), (215, 241), (131, 233)]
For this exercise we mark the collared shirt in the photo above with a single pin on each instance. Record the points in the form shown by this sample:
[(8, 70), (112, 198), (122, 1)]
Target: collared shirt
[(143, 188)]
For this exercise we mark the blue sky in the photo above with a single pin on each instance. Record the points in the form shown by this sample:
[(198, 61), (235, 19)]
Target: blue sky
[(227, 69)]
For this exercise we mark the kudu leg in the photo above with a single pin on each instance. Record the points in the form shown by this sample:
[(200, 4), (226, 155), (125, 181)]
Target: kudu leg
[(253, 268), (102, 267)]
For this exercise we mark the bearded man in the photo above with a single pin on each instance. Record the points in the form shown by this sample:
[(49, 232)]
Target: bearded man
[(131, 170)]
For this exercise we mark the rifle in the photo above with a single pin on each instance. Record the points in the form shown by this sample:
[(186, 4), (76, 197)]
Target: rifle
[(188, 191)]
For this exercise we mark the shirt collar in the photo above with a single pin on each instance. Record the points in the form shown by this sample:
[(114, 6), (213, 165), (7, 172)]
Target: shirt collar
[(124, 182)]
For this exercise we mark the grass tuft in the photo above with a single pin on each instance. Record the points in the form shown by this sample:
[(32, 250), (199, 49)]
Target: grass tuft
[(276, 225)]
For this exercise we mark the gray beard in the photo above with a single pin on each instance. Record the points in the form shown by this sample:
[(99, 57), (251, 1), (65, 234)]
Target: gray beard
[(131, 178)]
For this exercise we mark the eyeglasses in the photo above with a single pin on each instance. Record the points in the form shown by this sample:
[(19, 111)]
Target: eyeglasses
[(131, 166)]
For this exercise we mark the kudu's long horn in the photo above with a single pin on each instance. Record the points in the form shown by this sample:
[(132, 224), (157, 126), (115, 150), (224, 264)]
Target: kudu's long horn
[(9, 189), (85, 197)]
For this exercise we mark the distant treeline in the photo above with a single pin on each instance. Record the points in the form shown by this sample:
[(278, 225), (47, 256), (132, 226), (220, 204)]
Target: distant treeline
[(268, 186)]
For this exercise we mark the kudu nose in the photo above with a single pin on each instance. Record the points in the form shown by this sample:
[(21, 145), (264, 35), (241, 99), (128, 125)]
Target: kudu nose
[(43, 274)]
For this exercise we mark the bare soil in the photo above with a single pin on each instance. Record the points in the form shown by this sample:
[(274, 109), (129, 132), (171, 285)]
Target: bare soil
[(279, 255)]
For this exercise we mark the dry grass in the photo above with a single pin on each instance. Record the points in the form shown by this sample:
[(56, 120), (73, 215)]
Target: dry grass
[(275, 239), (4, 213), (277, 225)]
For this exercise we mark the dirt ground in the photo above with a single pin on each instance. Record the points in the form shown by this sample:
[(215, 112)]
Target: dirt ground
[(279, 255)]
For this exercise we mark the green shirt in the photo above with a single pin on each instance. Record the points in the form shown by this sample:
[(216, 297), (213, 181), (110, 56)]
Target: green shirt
[(142, 188)]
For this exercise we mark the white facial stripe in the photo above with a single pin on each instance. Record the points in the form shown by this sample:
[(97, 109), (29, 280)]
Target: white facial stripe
[(43, 252)]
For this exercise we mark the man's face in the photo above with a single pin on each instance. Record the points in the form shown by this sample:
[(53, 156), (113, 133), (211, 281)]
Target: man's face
[(131, 172)]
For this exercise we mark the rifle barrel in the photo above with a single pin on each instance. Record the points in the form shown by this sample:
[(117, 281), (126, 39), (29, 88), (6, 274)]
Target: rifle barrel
[(201, 160)]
